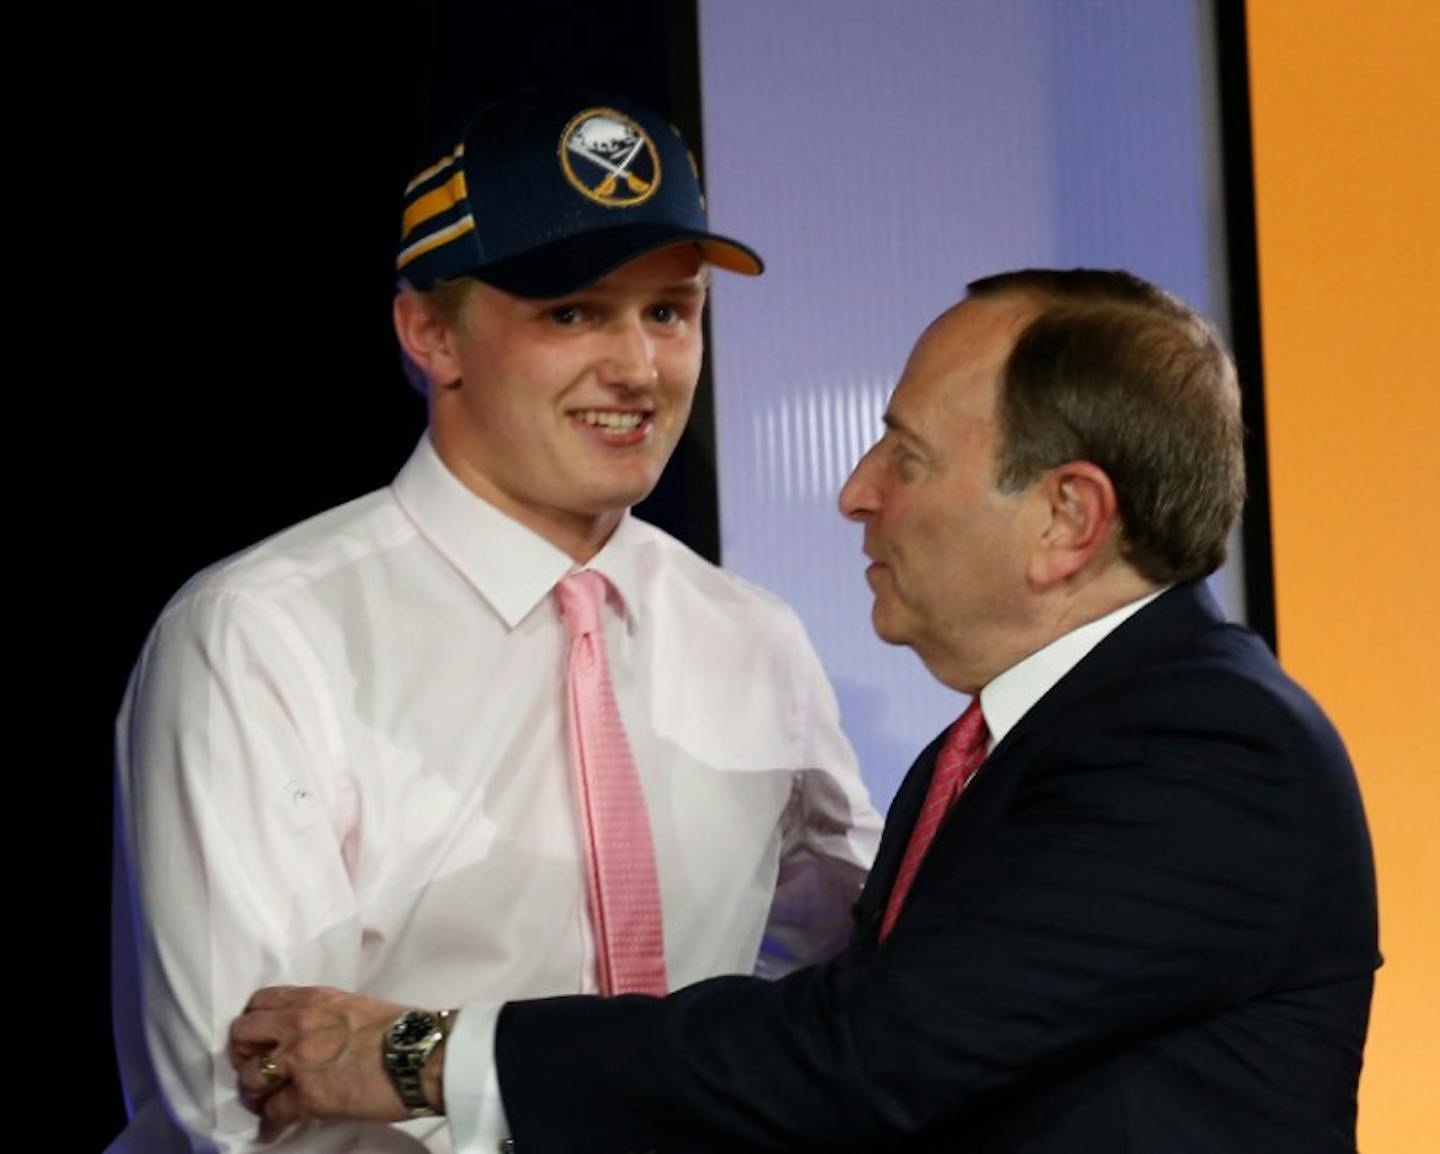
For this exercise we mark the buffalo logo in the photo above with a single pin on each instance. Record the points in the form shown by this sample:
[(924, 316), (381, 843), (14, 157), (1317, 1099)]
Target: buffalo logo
[(608, 157)]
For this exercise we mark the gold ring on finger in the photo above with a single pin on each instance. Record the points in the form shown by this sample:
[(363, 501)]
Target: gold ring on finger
[(273, 1075)]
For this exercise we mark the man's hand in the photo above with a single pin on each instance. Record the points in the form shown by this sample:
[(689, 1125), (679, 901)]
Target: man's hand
[(314, 1052)]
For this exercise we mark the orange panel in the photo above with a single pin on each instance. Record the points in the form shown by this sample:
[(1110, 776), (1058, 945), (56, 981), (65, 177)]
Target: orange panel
[(1346, 118)]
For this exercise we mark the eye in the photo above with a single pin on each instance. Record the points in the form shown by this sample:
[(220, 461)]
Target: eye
[(908, 464), (665, 314), (566, 315)]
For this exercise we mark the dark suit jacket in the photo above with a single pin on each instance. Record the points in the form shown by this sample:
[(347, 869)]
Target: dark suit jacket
[(1148, 926)]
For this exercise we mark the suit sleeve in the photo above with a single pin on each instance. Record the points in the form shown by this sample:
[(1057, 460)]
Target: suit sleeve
[(1145, 872), (230, 870)]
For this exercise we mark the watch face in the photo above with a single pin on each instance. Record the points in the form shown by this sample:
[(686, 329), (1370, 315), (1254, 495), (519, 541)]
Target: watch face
[(412, 1029)]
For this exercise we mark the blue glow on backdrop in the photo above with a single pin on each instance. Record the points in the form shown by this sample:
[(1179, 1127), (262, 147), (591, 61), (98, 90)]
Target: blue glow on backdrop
[(880, 155)]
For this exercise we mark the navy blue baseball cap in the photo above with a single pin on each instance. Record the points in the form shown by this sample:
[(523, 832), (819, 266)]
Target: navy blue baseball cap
[(544, 194)]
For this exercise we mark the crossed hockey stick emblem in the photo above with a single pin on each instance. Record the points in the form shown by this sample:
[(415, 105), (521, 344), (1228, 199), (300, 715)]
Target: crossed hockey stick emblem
[(613, 144)]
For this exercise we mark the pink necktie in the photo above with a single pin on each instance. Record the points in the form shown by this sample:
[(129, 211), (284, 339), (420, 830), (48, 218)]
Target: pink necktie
[(956, 764), (623, 891)]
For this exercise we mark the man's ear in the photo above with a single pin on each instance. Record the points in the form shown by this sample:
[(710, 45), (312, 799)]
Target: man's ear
[(425, 339), (1082, 522)]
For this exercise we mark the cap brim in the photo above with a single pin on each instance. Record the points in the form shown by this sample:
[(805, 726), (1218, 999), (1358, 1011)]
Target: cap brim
[(566, 266)]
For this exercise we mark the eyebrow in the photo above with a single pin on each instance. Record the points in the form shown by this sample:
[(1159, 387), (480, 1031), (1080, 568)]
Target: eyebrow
[(891, 421), (896, 425)]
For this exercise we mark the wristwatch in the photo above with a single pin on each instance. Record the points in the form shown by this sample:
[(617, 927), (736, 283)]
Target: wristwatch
[(409, 1042)]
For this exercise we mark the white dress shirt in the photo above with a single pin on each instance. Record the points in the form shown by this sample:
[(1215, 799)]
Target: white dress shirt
[(342, 760)]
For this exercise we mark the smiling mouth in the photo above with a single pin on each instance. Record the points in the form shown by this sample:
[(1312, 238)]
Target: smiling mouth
[(611, 422)]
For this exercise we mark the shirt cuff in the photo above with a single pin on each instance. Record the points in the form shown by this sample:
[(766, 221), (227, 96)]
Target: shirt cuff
[(472, 1083)]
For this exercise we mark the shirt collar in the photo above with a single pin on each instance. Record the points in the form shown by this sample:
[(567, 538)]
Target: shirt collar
[(511, 566), (1011, 695), (619, 562)]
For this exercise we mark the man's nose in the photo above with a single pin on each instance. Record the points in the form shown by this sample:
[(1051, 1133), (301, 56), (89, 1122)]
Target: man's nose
[(858, 496), (630, 356)]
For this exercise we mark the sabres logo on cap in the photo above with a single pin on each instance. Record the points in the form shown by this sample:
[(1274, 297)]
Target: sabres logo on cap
[(609, 158)]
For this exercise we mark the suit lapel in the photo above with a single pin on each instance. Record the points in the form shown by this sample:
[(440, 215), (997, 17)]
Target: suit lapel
[(899, 822)]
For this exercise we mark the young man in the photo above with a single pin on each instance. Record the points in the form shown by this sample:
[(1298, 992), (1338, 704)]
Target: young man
[(1126, 903), (380, 749)]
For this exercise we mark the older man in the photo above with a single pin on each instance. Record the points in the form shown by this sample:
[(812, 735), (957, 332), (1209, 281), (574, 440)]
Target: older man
[(1125, 903), (482, 735)]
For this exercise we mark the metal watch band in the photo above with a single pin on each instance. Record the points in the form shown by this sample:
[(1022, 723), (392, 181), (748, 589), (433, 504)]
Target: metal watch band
[(405, 1059)]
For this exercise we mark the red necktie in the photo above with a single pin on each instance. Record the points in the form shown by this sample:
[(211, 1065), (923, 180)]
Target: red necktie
[(956, 764), (621, 885)]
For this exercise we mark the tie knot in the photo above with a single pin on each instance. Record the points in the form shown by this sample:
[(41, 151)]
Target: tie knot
[(581, 596), (967, 738)]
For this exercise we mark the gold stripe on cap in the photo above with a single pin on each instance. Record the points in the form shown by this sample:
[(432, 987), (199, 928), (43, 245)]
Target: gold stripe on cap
[(442, 236), (446, 162), (433, 203)]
